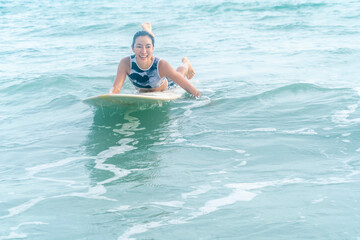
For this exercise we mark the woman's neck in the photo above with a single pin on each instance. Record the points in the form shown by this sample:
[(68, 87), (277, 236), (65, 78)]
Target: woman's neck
[(145, 65)]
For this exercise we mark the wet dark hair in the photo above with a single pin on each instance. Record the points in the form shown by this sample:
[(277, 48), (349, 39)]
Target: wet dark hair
[(142, 33)]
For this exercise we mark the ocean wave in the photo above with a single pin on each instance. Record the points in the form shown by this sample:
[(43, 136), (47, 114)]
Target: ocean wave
[(296, 93), (39, 83), (231, 6), (239, 192), (248, 191), (298, 6), (217, 8), (95, 28), (301, 87), (302, 93), (288, 26)]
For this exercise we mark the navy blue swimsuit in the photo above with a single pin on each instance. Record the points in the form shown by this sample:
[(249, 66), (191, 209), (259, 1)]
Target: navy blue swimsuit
[(145, 78)]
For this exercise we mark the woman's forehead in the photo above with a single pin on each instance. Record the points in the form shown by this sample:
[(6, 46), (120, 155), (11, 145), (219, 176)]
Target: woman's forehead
[(143, 40)]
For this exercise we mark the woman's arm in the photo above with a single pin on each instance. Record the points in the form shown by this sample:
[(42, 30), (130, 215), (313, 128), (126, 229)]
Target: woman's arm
[(165, 70), (123, 70)]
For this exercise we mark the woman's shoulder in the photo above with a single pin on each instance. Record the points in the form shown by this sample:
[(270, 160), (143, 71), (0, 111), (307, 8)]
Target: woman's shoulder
[(163, 63), (164, 68), (124, 64), (125, 60)]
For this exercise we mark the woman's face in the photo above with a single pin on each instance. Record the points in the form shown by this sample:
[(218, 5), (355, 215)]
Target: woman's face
[(143, 49)]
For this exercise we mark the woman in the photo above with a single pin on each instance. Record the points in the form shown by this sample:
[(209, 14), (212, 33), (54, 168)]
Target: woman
[(149, 73)]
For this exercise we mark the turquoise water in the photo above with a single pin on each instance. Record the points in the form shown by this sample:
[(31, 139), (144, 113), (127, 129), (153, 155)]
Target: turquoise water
[(270, 151)]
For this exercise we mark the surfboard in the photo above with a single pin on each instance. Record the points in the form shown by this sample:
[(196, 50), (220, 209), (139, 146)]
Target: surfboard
[(112, 100)]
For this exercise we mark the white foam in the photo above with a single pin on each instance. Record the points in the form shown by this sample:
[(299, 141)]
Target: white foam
[(175, 204), (203, 101), (13, 235), (243, 163), (67, 182), (235, 196), (179, 140), (128, 129), (263, 130), (331, 180), (178, 221), (250, 186), (36, 169), (39, 168), (302, 131), (95, 192), (115, 150), (26, 223), (341, 117), (241, 192), (121, 208), (200, 190), (175, 134), (217, 148), (187, 112), (255, 130), (140, 228), (216, 173), (358, 90), (118, 172), (240, 151), (318, 200), (109, 153), (23, 207)]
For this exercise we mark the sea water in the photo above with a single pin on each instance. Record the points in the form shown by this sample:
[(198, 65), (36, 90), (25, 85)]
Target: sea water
[(270, 151)]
